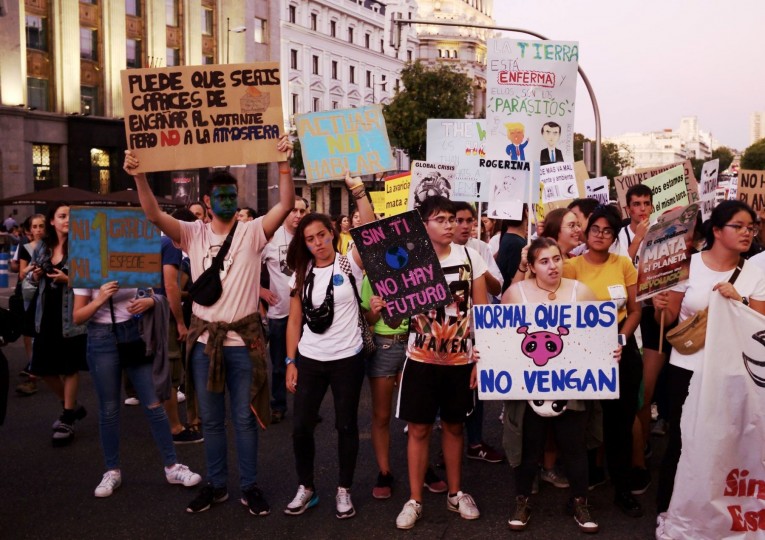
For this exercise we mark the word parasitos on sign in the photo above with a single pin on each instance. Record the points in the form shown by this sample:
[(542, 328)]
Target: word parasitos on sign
[(113, 244), (402, 266)]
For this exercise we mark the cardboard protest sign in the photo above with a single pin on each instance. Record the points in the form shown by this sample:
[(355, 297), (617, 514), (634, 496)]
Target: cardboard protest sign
[(113, 244), (188, 117), (509, 190), (720, 492), (669, 190), (708, 187), (397, 193), (751, 189), (597, 188), (402, 266), (558, 182), (345, 139), (429, 179), (547, 351), (531, 94), (623, 183), (461, 143), (378, 202), (664, 259)]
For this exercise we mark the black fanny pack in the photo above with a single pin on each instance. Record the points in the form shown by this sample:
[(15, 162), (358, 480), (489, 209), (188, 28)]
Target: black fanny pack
[(318, 319)]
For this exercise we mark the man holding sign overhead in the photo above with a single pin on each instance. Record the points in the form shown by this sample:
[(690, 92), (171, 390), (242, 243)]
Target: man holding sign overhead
[(226, 346)]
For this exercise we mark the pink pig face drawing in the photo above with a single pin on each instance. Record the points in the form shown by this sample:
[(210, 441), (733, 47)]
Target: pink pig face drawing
[(541, 346)]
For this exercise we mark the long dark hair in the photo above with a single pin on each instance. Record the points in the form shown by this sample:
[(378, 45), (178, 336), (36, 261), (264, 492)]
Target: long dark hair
[(338, 228), (50, 238), (298, 254), (721, 215), (611, 214)]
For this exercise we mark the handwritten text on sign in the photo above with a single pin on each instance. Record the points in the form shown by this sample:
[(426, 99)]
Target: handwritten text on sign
[(201, 116), (402, 266), (351, 139), (108, 244), (547, 351)]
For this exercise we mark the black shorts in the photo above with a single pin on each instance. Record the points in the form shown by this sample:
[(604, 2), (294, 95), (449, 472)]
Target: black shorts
[(649, 329), (427, 389)]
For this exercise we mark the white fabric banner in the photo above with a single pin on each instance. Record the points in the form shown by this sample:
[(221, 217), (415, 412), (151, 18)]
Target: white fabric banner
[(720, 483)]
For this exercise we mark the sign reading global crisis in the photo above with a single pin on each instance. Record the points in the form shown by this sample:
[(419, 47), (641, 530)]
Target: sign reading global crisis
[(188, 117), (113, 244), (402, 266), (547, 351)]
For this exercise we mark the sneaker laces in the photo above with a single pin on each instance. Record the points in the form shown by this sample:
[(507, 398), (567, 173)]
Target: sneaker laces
[(180, 472), (343, 498), (302, 497), (583, 511), (459, 497), (109, 480)]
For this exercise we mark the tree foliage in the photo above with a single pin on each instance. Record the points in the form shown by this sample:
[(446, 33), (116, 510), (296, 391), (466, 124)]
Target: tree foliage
[(615, 157), (754, 156), (724, 154), (427, 92)]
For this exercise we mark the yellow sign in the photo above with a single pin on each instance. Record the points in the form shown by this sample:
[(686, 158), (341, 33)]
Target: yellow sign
[(397, 193), (378, 202)]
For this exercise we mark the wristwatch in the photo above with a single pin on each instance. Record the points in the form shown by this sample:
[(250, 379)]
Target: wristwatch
[(288, 361), (745, 300)]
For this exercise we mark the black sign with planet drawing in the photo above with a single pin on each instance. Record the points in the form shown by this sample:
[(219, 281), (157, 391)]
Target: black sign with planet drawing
[(402, 266)]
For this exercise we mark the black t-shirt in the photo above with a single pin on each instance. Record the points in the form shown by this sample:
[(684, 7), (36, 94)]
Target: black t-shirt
[(509, 257)]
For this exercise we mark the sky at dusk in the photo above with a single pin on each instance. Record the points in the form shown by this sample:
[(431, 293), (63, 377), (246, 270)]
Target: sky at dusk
[(654, 61)]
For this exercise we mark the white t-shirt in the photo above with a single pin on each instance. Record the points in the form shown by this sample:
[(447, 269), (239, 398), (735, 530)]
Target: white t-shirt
[(494, 243), (698, 288), (121, 299), (343, 338), (275, 259), (240, 275), (758, 260), (449, 342)]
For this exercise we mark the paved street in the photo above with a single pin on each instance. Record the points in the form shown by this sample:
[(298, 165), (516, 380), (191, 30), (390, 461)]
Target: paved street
[(47, 492)]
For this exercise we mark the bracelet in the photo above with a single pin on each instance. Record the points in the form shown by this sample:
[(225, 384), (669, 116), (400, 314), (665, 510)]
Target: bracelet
[(288, 361), (356, 186), (524, 270), (284, 171), (360, 195)]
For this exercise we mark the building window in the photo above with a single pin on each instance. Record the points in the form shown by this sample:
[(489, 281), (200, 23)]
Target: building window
[(293, 59), (37, 32), (207, 22), (171, 13), (382, 45), (172, 57), (315, 65), (334, 69), (100, 170), (37, 93), (260, 30), (397, 85), (350, 34), (369, 79), (133, 49), (133, 7), (292, 14), (314, 22), (316, 104), (295, 104), (352, 75), (44, 164), (89, 44), (367, 40), (88, 100), (208, 60), (333, 28), (335, 105), (335, 201)]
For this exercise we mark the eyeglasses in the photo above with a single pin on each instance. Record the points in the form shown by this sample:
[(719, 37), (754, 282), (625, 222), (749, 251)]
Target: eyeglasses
[(573, 225), (441, 220), (466, 221), (749, 229), (603, 233)]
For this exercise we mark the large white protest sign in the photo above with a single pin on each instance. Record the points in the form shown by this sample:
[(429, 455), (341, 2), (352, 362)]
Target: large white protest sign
[(720, 482), (531, 93), (509, 189), (461, 143), (547, 351)]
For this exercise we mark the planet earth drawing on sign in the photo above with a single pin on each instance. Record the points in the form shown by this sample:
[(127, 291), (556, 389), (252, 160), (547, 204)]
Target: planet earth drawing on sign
[(397, 257)]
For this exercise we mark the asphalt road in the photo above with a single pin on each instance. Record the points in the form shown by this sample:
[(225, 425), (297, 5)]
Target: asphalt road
[(47, 492)]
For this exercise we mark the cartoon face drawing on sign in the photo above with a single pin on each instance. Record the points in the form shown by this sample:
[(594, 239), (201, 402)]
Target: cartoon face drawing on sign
[(542, 346), (755, 367)]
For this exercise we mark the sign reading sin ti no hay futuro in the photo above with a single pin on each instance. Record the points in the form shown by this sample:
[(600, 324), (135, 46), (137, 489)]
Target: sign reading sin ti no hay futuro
[(113, 244), (203, 116), (402, 266)]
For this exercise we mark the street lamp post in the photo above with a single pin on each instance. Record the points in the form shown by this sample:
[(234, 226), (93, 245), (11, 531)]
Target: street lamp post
[(236, 30), (397, 39)]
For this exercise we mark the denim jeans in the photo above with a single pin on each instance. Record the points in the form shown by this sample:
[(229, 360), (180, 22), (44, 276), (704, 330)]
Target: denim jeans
[(106, 371), (277, 343), (345, 377), (212, 409)]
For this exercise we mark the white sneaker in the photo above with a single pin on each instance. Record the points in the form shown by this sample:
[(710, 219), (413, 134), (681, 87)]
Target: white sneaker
[(132, 401), (181, 397), (409, 515), (344, 504), (110, 481), (304, 499), (464, 504), (181, 474)]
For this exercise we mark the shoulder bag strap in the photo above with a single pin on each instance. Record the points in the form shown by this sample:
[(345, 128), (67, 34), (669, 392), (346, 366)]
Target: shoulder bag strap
[(737, 271), (345, 266), (111, 309), (218, 260)]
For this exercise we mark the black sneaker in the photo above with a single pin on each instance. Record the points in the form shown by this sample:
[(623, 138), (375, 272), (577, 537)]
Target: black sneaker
[(254, 500), (628, 504), (188, 436), (640, 480), (206, 498), (384, 486), (433, 482)]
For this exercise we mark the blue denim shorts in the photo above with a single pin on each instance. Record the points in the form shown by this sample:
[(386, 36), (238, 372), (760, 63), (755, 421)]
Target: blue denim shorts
[(388, 360)]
